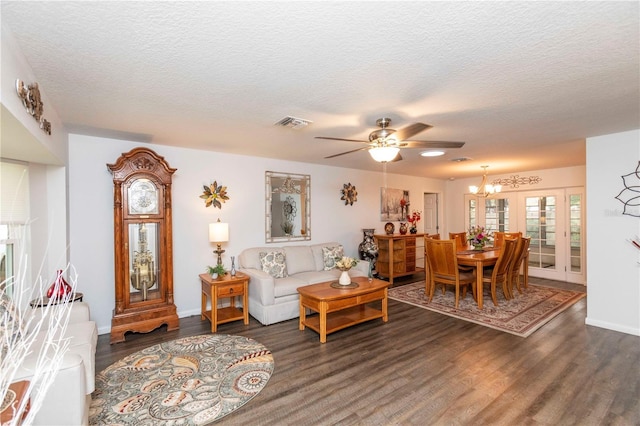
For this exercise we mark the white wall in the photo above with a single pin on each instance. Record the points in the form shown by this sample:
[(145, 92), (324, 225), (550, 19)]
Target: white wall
[(613, 282), (35, 144), (91, 212), (23, 140)]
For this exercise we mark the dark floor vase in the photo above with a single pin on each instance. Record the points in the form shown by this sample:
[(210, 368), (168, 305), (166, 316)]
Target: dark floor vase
[(368, 249)]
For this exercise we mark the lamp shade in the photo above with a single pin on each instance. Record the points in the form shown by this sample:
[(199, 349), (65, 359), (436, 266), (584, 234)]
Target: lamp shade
[(384, 154), (218, 232)]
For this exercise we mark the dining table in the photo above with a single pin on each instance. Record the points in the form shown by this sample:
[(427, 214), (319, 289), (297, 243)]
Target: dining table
[(479, 259)]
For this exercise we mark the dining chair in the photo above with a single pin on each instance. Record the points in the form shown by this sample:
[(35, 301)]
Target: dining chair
[(461, 244), (498, 237), (460, 238), (500, 272), (426, 264), (520, 253), (443, 269)]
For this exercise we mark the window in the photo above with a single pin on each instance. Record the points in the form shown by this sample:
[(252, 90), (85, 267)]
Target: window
[(14, 212), (496, 214)]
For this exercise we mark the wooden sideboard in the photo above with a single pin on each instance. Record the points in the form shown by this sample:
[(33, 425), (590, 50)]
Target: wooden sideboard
[(397, 255)]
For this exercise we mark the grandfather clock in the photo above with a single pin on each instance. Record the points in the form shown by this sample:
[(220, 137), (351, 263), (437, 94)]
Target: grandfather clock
[(142, 244)]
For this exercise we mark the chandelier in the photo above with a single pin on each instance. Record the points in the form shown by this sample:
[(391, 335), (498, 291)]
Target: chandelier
[(485, 189)]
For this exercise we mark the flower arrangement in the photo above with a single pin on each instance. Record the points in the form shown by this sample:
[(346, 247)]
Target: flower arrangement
[(346, 263), (478, 236), (413, 219)]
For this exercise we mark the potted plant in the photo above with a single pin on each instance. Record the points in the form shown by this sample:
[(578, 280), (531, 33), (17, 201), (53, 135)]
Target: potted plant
[(216, 271)]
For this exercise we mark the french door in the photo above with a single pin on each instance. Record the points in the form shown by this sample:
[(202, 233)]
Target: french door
[(554, 219), (496, 213)]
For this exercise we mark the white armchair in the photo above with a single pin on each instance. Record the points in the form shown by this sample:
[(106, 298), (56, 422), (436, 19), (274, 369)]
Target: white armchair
[(68, 398)]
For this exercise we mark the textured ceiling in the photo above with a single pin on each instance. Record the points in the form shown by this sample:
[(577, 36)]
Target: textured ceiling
[(522, 83)]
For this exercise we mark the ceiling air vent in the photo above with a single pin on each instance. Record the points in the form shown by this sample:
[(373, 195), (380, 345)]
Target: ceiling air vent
[(460, 159), (293, 122)]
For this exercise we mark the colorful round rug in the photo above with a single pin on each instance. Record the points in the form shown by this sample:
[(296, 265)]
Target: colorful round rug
[(190, 381)]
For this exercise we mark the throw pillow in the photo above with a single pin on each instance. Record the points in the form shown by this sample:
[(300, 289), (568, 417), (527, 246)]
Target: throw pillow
[(273, 263), (331, 255)]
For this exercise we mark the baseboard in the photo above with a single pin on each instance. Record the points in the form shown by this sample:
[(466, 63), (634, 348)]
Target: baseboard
[(189, 313), (612, 326), (181, 314)]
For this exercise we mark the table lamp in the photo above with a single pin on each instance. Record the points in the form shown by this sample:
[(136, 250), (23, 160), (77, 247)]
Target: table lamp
[(219, 233)]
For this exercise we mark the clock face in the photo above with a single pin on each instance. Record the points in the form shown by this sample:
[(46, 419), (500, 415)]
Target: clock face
[(143, 197)]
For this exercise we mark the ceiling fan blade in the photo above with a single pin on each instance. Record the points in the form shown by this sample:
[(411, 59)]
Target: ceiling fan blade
[(433, 144), (397, 158), (348, 152), (340, 139), (410, 130)]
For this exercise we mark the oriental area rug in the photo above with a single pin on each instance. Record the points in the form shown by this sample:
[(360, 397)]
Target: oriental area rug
[(190, 381), (522, 315)]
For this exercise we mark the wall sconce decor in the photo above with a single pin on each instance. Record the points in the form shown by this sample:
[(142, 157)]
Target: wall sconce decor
[(630, 194), (30, 96), (515, 181), (214, 195), (349, 194)]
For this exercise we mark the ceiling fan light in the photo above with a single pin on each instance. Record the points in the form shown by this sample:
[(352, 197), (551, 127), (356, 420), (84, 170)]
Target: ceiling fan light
[(432, 153), (384, 154)]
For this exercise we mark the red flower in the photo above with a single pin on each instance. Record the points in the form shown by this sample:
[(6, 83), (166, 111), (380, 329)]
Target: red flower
[(414, 218)]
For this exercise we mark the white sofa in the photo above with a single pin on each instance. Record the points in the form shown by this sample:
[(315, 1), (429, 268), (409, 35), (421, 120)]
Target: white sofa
[(272, 300), (68, 398)]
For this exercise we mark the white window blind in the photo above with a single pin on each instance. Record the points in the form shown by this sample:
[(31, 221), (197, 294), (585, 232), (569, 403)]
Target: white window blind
[(14, 192)]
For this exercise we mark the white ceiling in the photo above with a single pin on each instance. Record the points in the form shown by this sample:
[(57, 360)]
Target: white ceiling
[(522, 83)]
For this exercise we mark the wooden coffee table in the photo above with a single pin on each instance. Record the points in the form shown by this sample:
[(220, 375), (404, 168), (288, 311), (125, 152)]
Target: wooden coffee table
[(340, 308)]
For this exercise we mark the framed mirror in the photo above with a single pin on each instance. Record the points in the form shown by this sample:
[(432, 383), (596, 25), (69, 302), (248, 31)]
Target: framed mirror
[(288, 207)]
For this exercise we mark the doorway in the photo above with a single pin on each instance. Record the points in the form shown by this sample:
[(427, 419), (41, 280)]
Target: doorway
[(431, 221), (554, 219), (431, 216)]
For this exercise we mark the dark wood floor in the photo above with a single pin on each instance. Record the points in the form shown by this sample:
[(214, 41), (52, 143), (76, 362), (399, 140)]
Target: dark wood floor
[(425, 368)]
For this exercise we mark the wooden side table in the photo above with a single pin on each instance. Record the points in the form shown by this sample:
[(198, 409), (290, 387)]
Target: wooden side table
[(39, 303), (222, 288)]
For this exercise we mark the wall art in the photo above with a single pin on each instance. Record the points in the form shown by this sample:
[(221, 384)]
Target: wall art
[(214, 195), (349, 194), (630, 194), (516, 180), (394, 204), (30, 96)]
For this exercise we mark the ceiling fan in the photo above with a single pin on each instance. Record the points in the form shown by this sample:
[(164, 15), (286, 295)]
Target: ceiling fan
[(384, 144)]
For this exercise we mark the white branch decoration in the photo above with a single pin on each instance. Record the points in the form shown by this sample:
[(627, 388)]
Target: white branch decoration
[(19, 337)]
